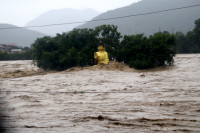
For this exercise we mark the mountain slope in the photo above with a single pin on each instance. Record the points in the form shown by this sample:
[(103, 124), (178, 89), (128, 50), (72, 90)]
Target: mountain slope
[(172, 21), (61, 16), (22, 37)]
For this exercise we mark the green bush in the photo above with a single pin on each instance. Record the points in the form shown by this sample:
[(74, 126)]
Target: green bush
[(141, 52)]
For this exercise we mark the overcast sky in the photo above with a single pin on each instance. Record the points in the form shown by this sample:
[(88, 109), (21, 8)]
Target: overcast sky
[(19, 12)]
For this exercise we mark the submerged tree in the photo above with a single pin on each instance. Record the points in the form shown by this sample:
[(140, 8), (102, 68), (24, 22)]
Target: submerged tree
[(141, 52)]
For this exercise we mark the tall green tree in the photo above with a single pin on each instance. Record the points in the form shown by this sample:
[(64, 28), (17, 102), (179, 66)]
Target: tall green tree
[(109, 35)]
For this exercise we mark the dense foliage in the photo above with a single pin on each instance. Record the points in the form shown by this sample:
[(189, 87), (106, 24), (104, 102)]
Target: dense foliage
[(141, 52), (189, 43), (26, 54), (77, 48)]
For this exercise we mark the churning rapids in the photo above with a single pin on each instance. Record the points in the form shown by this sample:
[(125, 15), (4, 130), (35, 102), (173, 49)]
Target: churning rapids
[(165, 99)]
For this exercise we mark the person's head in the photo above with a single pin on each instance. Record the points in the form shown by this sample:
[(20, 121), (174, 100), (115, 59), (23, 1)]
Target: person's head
[(100, 48)]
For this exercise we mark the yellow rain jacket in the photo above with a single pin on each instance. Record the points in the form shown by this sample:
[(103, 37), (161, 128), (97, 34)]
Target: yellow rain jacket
[(101, 57)]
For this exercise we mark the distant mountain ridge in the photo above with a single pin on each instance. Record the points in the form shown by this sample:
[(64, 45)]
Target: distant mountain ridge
[(172, 21), (66, 15), (21, 37)]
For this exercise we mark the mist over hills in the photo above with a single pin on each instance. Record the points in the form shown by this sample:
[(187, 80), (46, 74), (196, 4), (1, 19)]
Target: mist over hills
[(21, 37), (172, 21), (61, 16)]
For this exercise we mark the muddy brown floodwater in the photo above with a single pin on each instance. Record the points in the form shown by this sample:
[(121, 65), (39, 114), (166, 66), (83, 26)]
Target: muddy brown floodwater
[(102, 99)]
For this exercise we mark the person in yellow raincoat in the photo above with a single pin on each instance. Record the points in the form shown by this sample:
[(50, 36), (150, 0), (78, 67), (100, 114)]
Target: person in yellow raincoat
[(101, 57)]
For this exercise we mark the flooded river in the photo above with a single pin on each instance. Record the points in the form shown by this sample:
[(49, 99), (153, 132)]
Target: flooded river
[(165, 99)]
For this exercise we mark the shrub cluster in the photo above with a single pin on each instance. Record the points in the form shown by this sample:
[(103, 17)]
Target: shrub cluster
[(141, 52)]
